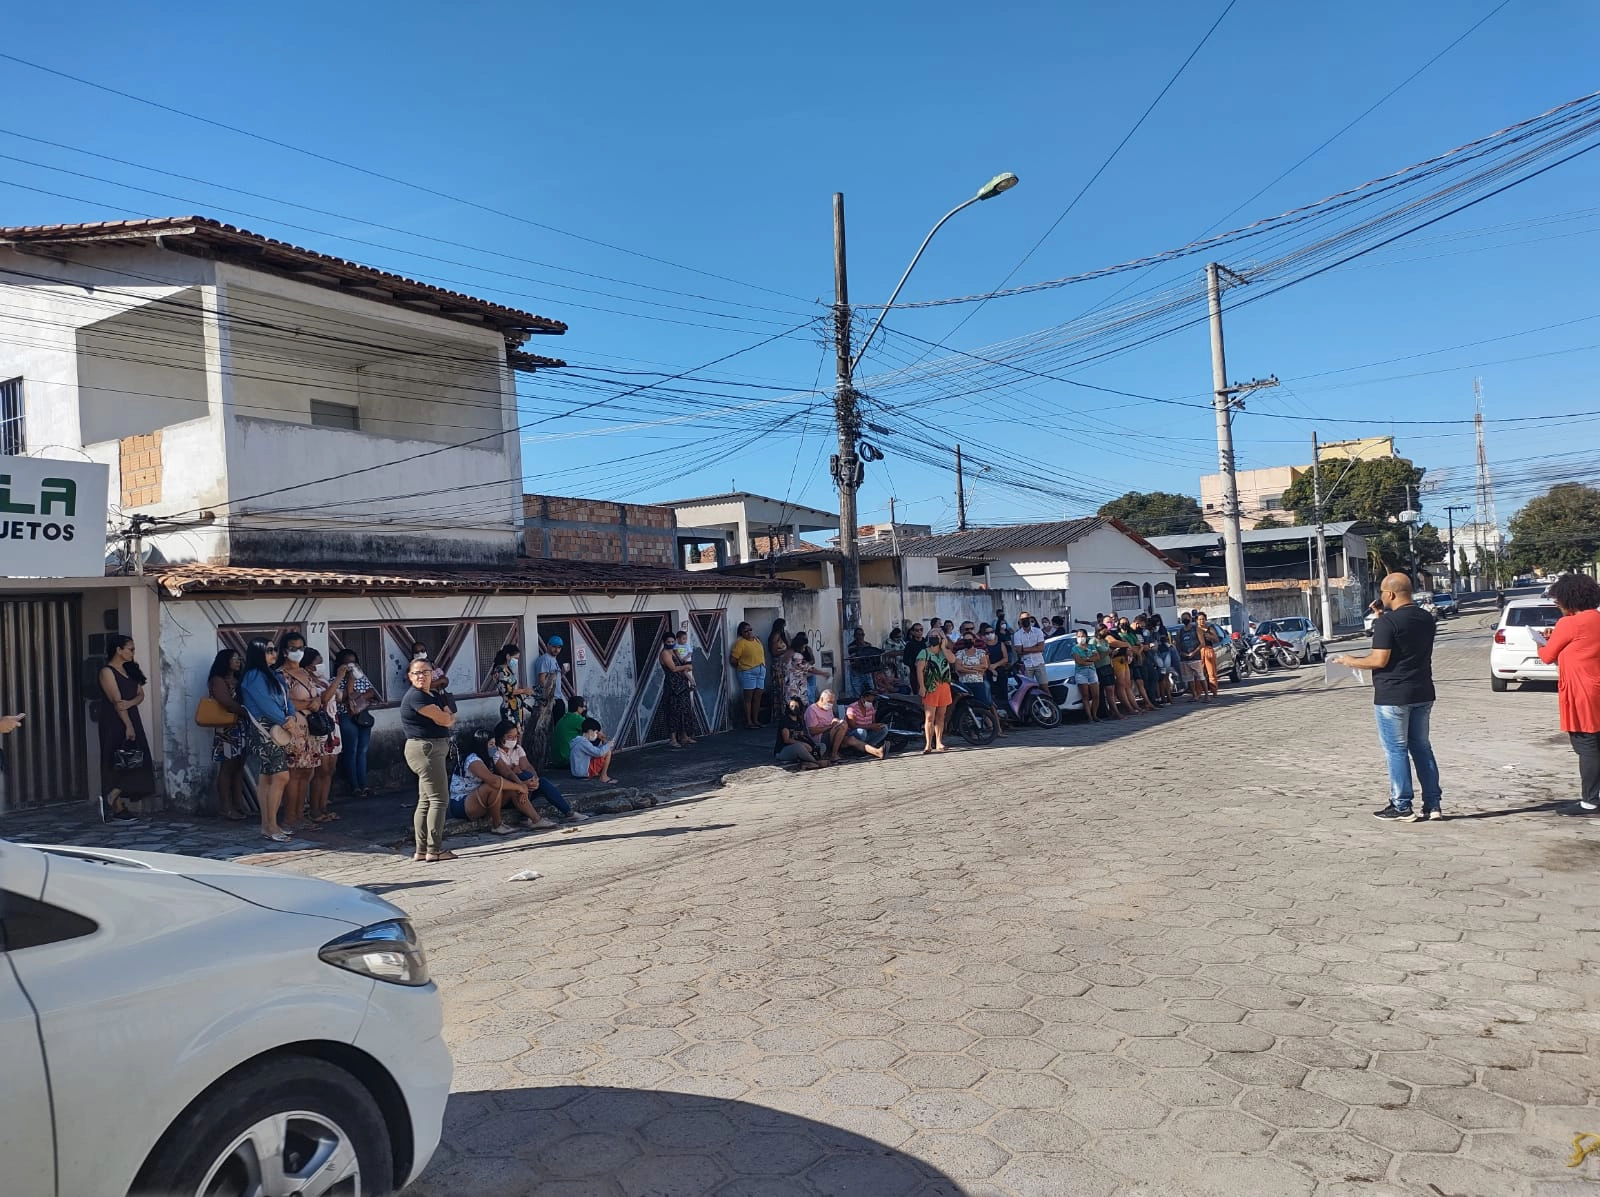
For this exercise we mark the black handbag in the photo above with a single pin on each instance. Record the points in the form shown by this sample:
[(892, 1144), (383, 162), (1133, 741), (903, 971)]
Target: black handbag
[(128, 759), (363, 719), (318, 723)]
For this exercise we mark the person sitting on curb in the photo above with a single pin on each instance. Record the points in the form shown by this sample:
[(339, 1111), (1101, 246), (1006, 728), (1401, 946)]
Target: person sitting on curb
[(591, 755), (511, 762), (865, 730), (477, 792), (566, 731), (792, 746), (823, 725)]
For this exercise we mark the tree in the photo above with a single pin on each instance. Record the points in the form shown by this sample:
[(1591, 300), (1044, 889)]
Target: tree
[(1270, 521), (1157, 513), (1463, 570), (1375, 492), (1559, 531)]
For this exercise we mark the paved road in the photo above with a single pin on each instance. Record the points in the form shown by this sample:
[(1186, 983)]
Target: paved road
[(1181, 959)]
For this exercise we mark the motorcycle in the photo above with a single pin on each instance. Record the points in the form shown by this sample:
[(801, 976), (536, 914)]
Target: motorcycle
[(1266, 652), (902, 714), (1025, 701)]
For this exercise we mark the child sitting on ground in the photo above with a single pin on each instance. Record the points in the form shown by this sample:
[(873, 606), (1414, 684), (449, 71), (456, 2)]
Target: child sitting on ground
[(591, 755)]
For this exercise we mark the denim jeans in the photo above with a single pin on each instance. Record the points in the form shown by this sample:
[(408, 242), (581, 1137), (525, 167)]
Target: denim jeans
[(546, 789), (1403, 731), (355, 741)]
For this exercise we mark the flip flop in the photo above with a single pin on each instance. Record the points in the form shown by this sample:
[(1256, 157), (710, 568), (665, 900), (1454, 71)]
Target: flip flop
[(277, 838)]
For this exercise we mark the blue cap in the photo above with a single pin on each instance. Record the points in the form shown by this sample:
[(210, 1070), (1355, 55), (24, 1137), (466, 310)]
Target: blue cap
[(555, 642)]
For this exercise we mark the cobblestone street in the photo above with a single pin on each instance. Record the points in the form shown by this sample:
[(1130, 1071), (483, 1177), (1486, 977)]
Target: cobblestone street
[(1169, 957)]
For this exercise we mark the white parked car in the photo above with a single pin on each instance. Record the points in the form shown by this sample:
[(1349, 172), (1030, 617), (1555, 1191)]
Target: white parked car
[(1300, 632), (174, 1025), (1514, 655)]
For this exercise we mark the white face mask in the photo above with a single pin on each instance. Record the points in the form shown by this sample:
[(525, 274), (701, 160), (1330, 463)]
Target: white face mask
[(420, 656), (295, 654), (513, 661)]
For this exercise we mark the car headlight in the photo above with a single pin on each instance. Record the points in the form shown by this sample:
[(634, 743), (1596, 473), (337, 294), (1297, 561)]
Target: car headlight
[(384, 951)]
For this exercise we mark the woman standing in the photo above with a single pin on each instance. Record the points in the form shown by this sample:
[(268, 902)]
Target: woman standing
[(227, 743), (1105, 671), (355, 693), (427, 720), (1574, 646), (270, 719), (750, 663), (934, 664), (677, 697), (796, 675), (331, 745), (1084, 674), (305, 750), (972, 670), (514, 704), (777, 650), (1209, 639), (125, 766)]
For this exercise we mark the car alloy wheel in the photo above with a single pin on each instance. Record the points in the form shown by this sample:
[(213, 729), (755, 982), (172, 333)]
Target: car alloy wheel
[(291, 1154)]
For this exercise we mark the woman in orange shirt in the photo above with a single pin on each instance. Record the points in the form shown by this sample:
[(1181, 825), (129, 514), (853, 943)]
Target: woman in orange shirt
[(1574, 646)]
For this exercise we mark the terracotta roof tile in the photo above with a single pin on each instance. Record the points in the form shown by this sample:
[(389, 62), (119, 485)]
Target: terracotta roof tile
[(529, 576)]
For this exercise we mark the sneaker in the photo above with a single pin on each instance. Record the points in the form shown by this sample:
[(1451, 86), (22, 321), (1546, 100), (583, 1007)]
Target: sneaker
[(502, 829), (1434, 816), (1394, 815), (1581, 810), (540, 825), (576, 817)]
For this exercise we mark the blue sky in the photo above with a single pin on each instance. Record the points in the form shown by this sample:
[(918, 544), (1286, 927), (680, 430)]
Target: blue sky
[(713, 136)]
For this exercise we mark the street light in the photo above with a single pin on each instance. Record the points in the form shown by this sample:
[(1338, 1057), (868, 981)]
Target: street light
[(846, 465)]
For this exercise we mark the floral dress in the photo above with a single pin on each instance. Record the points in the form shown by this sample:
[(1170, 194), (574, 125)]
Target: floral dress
[(227, 743), (513, 706), (679, 703), (304, 751), (794, 676)]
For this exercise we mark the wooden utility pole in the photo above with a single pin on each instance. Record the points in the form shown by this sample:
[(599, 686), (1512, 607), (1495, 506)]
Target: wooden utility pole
[(846, 465), (961, 495)]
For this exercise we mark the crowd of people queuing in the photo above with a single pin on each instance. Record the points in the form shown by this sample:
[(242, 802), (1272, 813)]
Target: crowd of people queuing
[(1122, 666)]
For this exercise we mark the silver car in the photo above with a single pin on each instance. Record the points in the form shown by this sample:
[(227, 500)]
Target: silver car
[(1298, 631)]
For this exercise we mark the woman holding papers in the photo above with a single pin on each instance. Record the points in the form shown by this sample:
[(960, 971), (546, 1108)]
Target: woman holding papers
[(1574, 646)]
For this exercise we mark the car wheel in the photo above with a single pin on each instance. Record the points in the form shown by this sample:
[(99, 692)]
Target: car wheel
[(1498, 684), (279, 1127)]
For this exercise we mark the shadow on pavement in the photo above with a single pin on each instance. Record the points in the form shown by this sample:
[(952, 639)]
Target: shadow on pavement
[(531, 844), (390, 887), (594, 1139)]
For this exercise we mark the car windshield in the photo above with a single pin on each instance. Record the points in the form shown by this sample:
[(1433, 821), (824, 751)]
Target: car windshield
[(1542, 616), (1442, 598), (1056, 651), (1275, 627)]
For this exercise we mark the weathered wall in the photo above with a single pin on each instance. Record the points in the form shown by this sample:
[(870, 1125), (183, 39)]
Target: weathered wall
[(597, 530), (609, 656)]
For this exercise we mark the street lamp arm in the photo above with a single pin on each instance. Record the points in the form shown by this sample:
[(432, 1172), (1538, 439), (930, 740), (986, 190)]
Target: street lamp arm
[(917, 257)]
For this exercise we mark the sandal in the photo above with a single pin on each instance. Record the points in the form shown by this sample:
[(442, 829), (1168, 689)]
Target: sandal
[(446, 855), (418, 857), (276, 837)]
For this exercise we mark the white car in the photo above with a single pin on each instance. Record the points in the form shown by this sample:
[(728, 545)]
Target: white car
[(1298, 632), (1514, 655), (175, 1025)]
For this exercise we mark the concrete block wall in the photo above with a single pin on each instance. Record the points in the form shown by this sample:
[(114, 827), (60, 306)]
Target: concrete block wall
[(598, 530)]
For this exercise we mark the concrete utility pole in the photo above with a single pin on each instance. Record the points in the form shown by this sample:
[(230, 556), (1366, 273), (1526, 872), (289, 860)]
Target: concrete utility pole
[(961, 495), (846, 466), (1450, 517), (1322, 541), (899, 562), (1226, 398)]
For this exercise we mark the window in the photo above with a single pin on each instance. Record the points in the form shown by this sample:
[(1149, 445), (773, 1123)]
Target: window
[(1125, 598), (335, 415), (13, 425), (1270, 502), (1165, 595), (367, 644), (1532, 617), (1058, 650), (492, 637)]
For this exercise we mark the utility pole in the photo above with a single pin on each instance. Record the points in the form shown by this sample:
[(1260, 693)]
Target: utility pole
[(899, 563), (846, 466), (1322, 541), (1226, 398), (961, 495), (1450, 517)]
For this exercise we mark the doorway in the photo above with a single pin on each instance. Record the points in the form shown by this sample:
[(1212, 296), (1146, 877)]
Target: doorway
[(47, 757)]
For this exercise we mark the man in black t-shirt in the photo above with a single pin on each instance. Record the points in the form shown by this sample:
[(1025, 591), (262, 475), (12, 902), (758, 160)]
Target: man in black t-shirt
[(1401, 660)]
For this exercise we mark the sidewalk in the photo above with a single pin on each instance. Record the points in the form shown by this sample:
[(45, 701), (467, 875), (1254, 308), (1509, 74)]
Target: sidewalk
[(382, 823)]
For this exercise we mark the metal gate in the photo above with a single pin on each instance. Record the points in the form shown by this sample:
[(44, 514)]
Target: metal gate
[(47, 757)]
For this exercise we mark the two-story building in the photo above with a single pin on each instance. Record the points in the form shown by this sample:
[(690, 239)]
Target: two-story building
[(296, 441)]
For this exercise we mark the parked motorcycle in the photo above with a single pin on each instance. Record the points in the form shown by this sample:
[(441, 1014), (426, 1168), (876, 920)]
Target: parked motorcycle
[(902, 713), (1024, 700), (1266, 652)]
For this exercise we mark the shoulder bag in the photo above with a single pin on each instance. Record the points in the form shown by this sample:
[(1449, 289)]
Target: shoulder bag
[(211, 713)]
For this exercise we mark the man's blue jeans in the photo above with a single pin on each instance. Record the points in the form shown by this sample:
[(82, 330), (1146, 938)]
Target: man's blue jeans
[(1403, 731)]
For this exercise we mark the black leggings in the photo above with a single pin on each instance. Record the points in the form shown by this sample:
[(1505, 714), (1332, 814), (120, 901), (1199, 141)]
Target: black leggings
[(1587, 746)]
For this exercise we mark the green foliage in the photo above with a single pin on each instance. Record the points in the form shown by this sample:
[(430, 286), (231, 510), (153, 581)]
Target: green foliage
[(1270, 521), (1462, 567), (1373, 492), (1557, 532), (1158, 513)]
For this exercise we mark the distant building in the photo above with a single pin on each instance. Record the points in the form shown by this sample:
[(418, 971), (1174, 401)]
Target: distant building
[(738, 526), (1261, 491)]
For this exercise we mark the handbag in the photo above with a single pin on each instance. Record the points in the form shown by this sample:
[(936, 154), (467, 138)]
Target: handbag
[(362, 718), (211, 713), (127, 759), (319, 723)]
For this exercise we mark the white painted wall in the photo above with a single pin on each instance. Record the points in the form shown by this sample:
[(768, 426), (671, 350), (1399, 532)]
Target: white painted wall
[(1088, 569)]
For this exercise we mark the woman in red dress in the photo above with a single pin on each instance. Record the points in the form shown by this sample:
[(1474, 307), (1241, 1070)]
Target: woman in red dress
[(1574, 646)]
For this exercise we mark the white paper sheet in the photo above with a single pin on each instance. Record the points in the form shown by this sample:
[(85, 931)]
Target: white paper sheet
[(1332, 674)]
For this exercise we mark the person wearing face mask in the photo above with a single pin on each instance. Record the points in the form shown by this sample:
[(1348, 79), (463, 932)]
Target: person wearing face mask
[(305, 750), (972, 669), (1105, 671), (998, 674), (507, 680), (916, 641), (934, 670), (792, 745), (1085, 658), (1029, 644), (1189, 645), (511, 762)]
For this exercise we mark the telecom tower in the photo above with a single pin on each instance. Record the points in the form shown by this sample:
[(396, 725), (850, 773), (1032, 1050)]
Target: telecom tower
[(1486, 525)]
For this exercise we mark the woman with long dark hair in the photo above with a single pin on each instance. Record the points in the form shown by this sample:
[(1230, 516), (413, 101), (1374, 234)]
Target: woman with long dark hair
[(269, 724), (1574, 645), (227, 743), (355, 694), (331, 746), (126, 770), (677, 698), (305, 750)]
